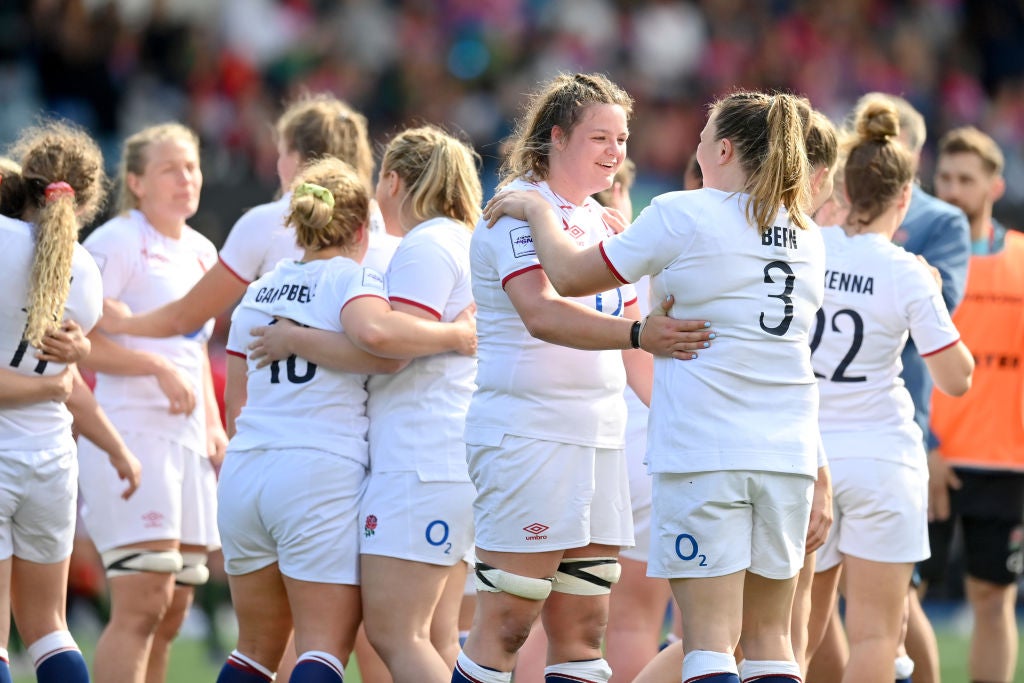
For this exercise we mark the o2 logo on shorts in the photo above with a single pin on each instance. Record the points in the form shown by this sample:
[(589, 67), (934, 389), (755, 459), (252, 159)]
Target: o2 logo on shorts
[(437, 535), (687, 549)]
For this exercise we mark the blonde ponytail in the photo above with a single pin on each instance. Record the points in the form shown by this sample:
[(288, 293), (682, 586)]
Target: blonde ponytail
[(439, 173), (50, 283), (62, 182), (768, 133)]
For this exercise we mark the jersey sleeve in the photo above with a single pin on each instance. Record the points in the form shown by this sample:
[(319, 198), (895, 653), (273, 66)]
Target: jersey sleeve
[(241, 253), (629, 295), (205, 250), (423, 274), (927, 316), (364, 282), (644, 248), (86, 305), (238, 339), (116, 253), (513, 249)]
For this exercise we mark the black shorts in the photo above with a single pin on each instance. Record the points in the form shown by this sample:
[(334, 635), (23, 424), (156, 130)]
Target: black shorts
[(990, 509)]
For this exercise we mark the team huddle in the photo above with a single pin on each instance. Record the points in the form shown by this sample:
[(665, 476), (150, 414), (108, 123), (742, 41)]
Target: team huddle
[(420, 388)]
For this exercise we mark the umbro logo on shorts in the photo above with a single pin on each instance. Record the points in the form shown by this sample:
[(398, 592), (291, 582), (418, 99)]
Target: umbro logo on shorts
[(536, 531), (152, 519)]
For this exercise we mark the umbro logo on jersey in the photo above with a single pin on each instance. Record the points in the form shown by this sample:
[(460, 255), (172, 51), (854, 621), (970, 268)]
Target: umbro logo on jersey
[(536, 531), (576, 231), (154, 256)]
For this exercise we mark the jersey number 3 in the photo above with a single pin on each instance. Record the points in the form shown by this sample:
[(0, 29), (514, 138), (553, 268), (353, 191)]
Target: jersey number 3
[(784, 297)]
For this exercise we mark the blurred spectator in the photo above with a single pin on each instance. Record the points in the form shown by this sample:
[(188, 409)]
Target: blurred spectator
[(226, 68)]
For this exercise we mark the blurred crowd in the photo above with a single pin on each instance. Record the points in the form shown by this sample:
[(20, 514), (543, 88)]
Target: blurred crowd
[(225, 67)]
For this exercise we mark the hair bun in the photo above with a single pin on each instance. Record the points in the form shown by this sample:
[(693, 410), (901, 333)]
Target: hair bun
[(879, 122)]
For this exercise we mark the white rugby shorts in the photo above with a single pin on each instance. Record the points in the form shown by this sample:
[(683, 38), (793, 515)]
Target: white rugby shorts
[(709, 524), (640, 484), (538, 496), (421, 521), (881, 513), (297, 507), (38, 501), (176, 498)]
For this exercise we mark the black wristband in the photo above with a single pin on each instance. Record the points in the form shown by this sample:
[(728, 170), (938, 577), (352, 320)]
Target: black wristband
[(634, 334)]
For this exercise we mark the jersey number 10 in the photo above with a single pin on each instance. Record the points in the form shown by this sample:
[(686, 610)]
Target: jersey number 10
[(291, 371)]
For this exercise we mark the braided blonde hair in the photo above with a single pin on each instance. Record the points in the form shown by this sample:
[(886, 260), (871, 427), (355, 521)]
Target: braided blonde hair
[(54, 152), (769, 136)]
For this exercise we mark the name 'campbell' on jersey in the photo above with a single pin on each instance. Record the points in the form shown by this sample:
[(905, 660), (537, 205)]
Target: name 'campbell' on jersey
[(285, 395)]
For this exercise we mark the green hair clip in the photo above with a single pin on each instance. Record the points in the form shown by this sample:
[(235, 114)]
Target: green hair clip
[(318, 191)]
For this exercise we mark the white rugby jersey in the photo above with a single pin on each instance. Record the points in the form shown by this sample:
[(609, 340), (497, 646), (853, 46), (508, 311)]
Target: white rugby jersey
[(418, 416), (525, 386), (294, 403), (46, 425), (381, 248), (146, 269), (750, 402), (875, 295), (635, 408), (260, 239)]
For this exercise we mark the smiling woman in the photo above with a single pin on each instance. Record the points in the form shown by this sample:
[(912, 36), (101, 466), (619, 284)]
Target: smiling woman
[(159, 394), (733, 542), (545, 429)]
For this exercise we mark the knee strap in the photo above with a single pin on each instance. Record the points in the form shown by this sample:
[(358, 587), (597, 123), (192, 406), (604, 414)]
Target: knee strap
[(587, 575), (493, 580), (125, 561), (193, 571)]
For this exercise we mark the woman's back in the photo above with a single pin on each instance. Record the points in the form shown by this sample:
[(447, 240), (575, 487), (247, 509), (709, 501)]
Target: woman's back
[(295, 403), (418, 415), (38, 425), (749, 402), (876, 294)]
